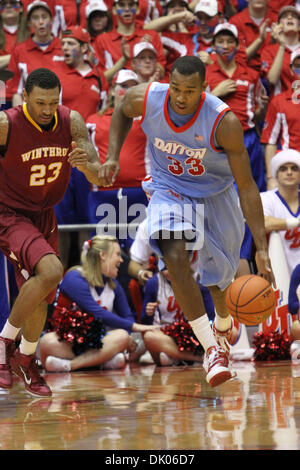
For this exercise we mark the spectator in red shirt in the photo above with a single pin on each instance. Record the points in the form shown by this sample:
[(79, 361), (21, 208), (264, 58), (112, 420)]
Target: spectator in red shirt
[(134, 163), (276, 57), (98, 19), (76, 73), (70, 13), (281, 129), (175, 28), (254, 27), (42, 49), (108, 46), (13, 28), (240, 87), (148, 10), (207, 18)]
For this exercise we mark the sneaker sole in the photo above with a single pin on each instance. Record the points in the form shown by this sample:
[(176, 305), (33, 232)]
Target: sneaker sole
[(218, 377), (29, 390)]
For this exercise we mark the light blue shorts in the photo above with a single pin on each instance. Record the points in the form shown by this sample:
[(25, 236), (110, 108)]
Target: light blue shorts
[(214, 226)]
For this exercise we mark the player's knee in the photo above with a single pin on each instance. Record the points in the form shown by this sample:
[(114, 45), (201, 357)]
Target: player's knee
[(50, 270), (176, 256)]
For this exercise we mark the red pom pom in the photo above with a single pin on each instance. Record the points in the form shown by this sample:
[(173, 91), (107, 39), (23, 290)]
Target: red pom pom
[(272, 346), (183, 335), (79, 328)]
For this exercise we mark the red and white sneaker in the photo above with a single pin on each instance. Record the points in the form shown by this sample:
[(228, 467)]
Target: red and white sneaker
[(7, 347), (226, 338), (26, 368), (215, 363)]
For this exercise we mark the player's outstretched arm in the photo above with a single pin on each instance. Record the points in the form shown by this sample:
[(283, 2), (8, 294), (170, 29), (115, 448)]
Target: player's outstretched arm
[(121, 122), (230, 137), (83, 155)]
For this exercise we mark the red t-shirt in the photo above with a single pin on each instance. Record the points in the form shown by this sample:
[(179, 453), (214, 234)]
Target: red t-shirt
[(249, 31), (286, 76), (133, 157), (26, 57), (282, 121), (108, 46), (10, 42), (177, 45), (34, 170), (67, 14), (83, 93), (242, 101)]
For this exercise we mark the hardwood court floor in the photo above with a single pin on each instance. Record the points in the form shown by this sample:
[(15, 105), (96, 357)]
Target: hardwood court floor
[(155, 408)]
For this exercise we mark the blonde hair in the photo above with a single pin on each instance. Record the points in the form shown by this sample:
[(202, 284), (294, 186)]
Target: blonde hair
[(23, 30), (90, 259)]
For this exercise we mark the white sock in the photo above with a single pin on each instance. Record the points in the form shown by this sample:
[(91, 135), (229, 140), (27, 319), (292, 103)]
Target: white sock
[(222, 324), (56, 364), (203, 331), (26, 347), (9, 331)]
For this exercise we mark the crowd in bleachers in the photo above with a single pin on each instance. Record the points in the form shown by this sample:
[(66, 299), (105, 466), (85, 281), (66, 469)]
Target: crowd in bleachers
[(100, 48)]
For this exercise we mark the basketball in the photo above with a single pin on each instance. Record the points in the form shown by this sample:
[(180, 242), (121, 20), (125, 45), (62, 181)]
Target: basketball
[(250, 299)]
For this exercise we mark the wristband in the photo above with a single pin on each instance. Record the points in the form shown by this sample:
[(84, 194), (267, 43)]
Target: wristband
[(292, 222)]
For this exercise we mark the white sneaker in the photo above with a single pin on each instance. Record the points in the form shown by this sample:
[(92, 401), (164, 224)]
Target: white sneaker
[(56, 364), (165, 360), (295, 352), (215, 363), (146, 358), (116, 362)]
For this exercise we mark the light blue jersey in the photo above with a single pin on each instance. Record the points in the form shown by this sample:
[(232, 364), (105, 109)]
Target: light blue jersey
[(185, 158), (191, 186)]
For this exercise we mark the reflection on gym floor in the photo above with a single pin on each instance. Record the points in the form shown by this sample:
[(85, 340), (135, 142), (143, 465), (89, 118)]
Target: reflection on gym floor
[(155, 408)]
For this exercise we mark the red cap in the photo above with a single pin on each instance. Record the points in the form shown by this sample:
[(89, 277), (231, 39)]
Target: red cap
[(77, 32)]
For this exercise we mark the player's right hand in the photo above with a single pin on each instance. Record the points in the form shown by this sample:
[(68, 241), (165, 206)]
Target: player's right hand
[(108, 173), (264, 268)]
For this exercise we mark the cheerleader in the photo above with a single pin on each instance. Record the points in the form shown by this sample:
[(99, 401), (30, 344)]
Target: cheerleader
[(92, 321)]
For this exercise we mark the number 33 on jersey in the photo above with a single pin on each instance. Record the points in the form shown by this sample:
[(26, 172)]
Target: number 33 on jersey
[(185, 157)]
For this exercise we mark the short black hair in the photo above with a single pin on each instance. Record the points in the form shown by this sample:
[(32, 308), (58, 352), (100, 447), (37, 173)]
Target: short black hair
[(188, 64), (43, 78)]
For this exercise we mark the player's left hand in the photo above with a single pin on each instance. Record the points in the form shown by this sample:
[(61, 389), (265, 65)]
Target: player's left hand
[(78, 157), (264, 268)]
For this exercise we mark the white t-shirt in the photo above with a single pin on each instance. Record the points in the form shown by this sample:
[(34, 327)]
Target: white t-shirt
[(275, 206), (140, 249)]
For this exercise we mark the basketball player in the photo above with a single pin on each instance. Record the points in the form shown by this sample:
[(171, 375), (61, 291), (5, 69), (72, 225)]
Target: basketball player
[(197, 150), (40, 142)]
